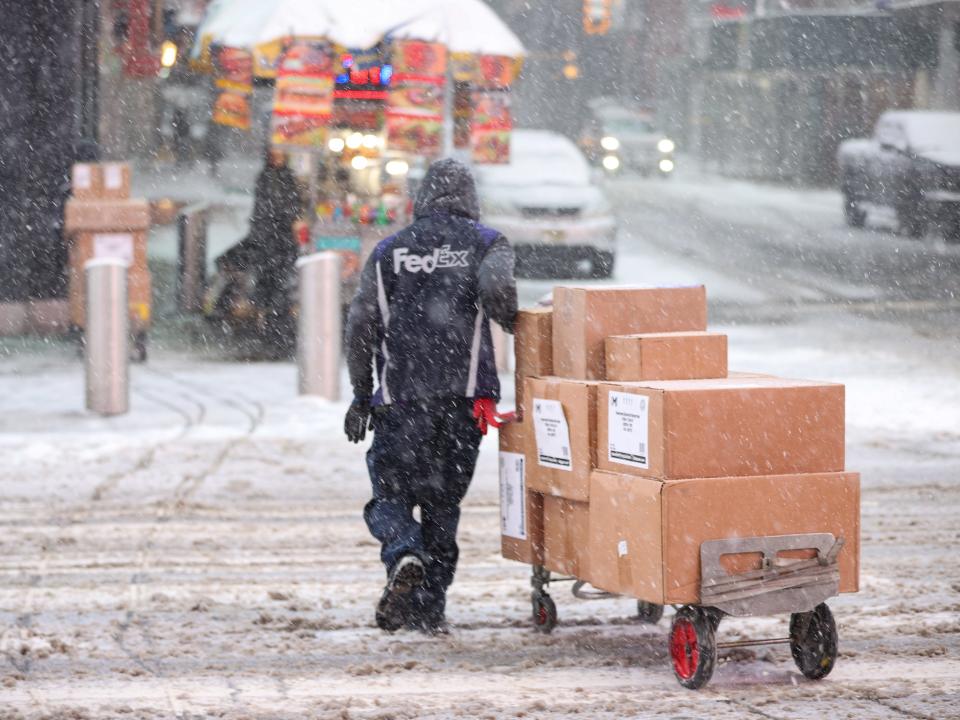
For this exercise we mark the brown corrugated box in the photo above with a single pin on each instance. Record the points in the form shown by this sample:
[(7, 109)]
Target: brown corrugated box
[(529, 549), (93, 181), (566, 534), (86, 181), (726, 427), (533, 348), (645, 535), (666, 356), (579, 401), (85, 246), (106, 215), (584, 317)]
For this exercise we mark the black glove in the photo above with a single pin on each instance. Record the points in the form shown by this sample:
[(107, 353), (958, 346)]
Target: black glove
[(355, 423)]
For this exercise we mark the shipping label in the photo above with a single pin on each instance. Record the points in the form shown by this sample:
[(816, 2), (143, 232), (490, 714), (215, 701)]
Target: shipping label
[(113, 176), (113, 245), (513, 504), (628, 428), (553, 435), (82, 177)]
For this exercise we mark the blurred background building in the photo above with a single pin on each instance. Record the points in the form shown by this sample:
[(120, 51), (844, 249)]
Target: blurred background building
[(752, 88)]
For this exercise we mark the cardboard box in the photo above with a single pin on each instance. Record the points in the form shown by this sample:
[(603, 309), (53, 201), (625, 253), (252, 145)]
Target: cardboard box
[(521, 510), (100, 181), (666, 356), (86, 181), (564, 413), (131, 246), (717, 428), (584, 317), (106, 215), (645, 535), (566, 535), (116, 180), (533, 348)]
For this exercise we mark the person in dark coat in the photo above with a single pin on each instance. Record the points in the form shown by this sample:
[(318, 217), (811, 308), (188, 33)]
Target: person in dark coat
[(277, 204), (422, 314)]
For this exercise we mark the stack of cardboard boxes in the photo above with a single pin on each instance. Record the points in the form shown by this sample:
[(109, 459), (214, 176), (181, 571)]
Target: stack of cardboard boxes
[(102, 220), (635, 445)]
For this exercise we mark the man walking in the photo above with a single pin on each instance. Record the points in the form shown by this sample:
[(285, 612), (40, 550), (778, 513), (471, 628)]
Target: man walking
[(422, 311)]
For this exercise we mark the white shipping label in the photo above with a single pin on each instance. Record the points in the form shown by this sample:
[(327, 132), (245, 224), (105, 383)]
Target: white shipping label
[(82, 177), (622, 548), (553, 435), (628, 429), (113, 245), (113, 177), (513, 496)]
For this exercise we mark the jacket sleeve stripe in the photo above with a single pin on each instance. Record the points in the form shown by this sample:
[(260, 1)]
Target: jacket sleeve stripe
[(385, 317), (475, 355)]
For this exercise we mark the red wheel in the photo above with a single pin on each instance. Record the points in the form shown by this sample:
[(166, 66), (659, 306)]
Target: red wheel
[(544, 613), (693, 648)]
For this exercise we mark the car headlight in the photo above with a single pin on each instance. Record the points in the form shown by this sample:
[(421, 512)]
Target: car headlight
[(666, 165), (611, 162), (610, 143), (666, 146)]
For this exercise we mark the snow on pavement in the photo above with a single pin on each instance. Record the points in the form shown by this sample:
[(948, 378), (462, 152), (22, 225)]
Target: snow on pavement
[(205, 556)]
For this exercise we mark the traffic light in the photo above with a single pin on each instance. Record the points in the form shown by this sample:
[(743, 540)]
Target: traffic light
[(596, 16)]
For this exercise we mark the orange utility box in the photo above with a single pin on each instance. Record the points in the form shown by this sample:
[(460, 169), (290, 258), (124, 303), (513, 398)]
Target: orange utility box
[(101, 220)]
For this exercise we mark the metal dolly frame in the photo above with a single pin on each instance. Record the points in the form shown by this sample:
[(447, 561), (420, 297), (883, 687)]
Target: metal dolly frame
[(796, 586)]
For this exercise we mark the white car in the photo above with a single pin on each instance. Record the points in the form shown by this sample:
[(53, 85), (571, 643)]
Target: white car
[(546, 202)]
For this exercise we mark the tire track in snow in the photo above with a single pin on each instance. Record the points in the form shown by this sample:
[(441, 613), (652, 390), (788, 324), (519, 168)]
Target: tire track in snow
[(146, 460)]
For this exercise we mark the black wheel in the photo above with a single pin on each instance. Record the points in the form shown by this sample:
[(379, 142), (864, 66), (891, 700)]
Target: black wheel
[(544, 613), (602, 265), (813, 641), (952, 232), (649, 613), (693, 647), (855, 216), (139, 354), (911, 212)]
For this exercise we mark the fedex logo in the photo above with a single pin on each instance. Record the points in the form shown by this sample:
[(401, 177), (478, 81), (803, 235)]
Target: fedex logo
[(442, 257)]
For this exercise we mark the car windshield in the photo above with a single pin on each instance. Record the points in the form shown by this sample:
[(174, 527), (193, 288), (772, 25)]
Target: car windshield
[(933, 131), (629, 126), (538, 158)]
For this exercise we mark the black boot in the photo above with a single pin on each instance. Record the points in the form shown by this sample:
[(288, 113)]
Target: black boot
[(427, 611), (393, 608)]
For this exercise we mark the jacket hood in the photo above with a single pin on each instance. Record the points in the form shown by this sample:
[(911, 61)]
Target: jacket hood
[(448, 187)]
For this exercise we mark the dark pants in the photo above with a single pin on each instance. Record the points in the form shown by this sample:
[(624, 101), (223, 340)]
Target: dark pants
[(422, 455)]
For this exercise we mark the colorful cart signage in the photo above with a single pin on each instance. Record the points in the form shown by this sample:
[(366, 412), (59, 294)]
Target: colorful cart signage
[(234, 80), (491, 127), (361, 91), (485, 70), (303, 101), (415, 100)]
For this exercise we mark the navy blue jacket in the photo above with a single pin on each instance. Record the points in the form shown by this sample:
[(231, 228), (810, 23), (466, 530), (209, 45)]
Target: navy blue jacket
[(426, 298)]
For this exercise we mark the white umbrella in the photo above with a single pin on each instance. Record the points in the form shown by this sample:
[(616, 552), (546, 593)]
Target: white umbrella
[(464, 26), (233, 23), (468, 26)]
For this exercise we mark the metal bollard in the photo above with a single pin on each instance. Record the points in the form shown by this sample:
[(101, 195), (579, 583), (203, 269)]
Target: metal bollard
[(107, 336), (318, 329), (192, 258)]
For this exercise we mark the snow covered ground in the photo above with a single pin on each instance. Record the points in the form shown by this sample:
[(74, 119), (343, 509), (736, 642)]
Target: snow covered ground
[(204, 556)]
